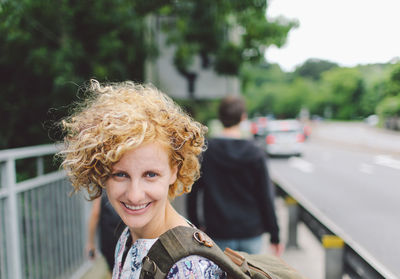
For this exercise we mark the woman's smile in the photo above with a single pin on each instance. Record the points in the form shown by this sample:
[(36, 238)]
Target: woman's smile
[(136, 207)]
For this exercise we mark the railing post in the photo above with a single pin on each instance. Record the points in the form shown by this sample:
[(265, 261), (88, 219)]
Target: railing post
[(293, 220), (39, 166), (333, 246), (13, 232)]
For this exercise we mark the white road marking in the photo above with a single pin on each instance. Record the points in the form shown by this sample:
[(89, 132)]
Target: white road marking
[(387, 161), (301, 164), (366, 168)]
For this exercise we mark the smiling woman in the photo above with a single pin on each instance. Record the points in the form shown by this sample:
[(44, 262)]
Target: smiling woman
[(138, 145)]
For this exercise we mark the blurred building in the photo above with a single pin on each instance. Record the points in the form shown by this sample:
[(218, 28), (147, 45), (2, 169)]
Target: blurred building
[(203, 83)]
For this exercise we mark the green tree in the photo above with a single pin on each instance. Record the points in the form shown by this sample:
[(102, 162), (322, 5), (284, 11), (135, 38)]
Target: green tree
[(260, 84), (224, 33), (313, 68), (344, 89), (376, 78), (269, 90), (393, 85), (340, 93), (389, 107), (49, 48)]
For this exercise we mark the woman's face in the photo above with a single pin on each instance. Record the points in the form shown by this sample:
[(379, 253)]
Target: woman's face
[(138, 188)]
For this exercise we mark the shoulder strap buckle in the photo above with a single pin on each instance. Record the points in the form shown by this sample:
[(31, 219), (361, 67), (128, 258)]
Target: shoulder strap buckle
[(149, 266), (203, 239)]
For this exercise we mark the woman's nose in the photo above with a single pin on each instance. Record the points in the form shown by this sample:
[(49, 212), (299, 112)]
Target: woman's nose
[(135, 193)]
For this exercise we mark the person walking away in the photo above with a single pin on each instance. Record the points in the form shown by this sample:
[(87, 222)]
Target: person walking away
[(238, 204)]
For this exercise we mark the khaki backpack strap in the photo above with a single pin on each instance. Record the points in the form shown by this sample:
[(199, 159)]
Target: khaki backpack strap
[(180, 242)]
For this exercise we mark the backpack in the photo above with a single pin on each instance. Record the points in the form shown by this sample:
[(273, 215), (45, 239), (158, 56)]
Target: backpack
[(181, 242)]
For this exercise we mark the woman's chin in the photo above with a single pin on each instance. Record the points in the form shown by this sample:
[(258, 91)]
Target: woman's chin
[(136, 219)]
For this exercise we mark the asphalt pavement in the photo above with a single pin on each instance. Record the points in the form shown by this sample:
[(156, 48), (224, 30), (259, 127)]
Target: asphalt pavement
[(358, 135), (309, 259)]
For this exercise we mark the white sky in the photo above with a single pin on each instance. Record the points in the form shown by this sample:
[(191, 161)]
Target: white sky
[(348, 32)]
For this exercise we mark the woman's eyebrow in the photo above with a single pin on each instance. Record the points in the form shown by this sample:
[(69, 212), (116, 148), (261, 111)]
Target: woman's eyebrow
[(117, 169)]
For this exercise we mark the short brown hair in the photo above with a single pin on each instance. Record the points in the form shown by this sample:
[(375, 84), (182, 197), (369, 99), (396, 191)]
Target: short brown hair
[(231, 110)]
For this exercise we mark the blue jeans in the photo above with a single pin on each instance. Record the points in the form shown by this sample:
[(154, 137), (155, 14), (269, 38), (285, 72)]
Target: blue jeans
[(251, 245)]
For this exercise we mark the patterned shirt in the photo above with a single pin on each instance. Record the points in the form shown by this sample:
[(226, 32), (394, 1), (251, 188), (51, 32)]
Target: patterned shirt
[(190, 267)]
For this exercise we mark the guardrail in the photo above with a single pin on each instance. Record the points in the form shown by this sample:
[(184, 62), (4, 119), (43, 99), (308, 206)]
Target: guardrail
[(42, 227), (343, 255)]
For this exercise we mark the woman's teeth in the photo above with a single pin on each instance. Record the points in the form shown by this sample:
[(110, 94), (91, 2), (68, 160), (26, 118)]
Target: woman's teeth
[(132, 207)]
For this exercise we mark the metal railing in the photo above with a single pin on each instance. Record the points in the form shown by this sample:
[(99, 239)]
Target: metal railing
[(343, 255), (42, 227)]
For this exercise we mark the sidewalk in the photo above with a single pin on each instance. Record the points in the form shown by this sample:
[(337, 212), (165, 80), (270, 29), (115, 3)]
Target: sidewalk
[(309, 258), (98, 270)]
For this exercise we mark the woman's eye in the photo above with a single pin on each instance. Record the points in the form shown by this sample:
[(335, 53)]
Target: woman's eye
[(119, 174), (151, 174)]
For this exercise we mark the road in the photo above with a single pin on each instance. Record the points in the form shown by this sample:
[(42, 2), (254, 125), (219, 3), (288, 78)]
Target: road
[(356, 186)]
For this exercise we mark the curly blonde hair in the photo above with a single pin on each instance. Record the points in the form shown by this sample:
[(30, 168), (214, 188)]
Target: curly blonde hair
[(118, 117)]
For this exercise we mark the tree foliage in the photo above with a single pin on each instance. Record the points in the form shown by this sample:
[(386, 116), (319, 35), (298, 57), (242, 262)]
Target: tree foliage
[(313, 68), (224, 33), (390, 104), (338, 93), (344, 89), (48, 49)]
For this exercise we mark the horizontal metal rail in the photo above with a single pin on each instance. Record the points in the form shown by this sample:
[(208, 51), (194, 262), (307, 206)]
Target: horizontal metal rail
[(42, 227), (357, 262), (28, 152)]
